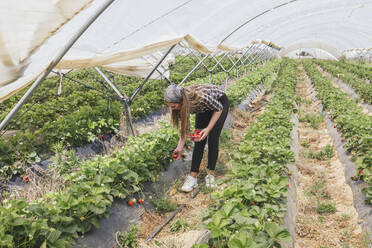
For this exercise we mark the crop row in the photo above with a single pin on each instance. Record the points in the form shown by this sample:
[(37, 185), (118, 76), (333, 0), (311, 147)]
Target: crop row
[(249, 209), (359, 85), (362, 71), (76, 117), (354, 125), (265, 76), (90, 188)]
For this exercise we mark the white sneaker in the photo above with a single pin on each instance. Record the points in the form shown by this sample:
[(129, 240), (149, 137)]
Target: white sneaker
[(190, 184), (210, 181)]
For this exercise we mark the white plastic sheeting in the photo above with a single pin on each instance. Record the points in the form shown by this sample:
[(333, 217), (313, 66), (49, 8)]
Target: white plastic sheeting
[(25, 25), (128, 31)]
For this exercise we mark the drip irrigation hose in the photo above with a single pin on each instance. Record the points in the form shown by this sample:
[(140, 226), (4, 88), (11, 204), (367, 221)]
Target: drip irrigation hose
[(175, 212)]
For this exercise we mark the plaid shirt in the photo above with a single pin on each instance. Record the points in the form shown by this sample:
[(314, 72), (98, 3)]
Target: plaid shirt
[(208, 95)]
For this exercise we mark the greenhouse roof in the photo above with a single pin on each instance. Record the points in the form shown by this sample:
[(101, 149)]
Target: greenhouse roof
[(33, 33)]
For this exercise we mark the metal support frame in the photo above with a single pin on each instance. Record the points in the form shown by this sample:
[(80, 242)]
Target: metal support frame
[(149, 75), (124, 98), (59, 56), (260, 53), (193, 69)]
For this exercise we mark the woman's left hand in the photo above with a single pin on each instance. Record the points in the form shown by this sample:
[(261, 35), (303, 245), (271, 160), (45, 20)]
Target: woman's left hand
[(204, 133)]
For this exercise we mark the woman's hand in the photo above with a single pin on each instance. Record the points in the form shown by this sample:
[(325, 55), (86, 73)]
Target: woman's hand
[(177, 153), (204, 133)]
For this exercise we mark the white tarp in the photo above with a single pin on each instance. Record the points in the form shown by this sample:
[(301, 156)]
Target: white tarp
[(25, 25), (128, 31)]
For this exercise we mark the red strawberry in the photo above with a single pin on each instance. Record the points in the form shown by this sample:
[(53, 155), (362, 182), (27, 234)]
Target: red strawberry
[(188, 148), (360, 172), (130, 203), (175, 156), (140, 201), (342, 140), (253, 203), (197, 131), (103, 137), (288, 185), (290, 174), (184, 155), (26, 179)]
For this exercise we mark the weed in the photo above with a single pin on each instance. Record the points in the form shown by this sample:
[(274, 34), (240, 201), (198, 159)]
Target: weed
[(346, 242), (313, 119), (317, 190), (326, 208), (345, 216), (317, 187), (129, 239), (180, 225), (366, 240), (327, 153), (305, 144), (321, 219), (163, 205), (300, 100)]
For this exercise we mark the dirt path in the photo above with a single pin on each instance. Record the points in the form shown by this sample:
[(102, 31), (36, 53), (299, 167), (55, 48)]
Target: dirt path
[(326, 216), (367, 109), (193, 210)]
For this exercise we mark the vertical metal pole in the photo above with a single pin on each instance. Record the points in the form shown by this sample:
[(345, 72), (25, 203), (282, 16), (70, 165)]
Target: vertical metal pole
[(58, 57), (210, 77), (124, 98)]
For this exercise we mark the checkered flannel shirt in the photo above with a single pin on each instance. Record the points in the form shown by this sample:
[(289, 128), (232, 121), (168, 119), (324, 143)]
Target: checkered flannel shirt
[(209, 95)]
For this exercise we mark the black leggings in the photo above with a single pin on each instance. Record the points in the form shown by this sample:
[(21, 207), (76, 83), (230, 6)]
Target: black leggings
[(201, 122)]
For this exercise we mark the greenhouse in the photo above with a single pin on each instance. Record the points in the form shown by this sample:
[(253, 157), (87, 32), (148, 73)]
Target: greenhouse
[(186, 124)]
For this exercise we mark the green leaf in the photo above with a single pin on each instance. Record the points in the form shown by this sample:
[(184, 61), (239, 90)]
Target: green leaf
[(54, 235), (70, 229), (43, 245), (284, 236), (272, 228), (19, 221)]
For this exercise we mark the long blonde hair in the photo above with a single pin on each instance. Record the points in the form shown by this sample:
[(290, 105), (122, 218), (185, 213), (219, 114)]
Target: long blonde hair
[(183, 116)]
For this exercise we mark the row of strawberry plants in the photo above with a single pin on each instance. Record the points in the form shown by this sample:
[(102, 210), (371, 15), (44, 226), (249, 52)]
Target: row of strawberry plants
[(362, 71), (46, 125), (55, 219), (359, 85), (355, 126), (249, 209), (58, 217), (263, 76)]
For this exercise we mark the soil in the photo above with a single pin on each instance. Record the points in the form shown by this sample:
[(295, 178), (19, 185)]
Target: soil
[(322, 181)]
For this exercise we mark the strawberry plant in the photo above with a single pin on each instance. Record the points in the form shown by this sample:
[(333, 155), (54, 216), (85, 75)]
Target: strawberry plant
[(248, 210), (359, 85), (58, 217)]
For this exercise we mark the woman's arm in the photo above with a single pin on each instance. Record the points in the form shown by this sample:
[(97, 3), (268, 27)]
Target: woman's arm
[(181, 144), (204, 133)]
